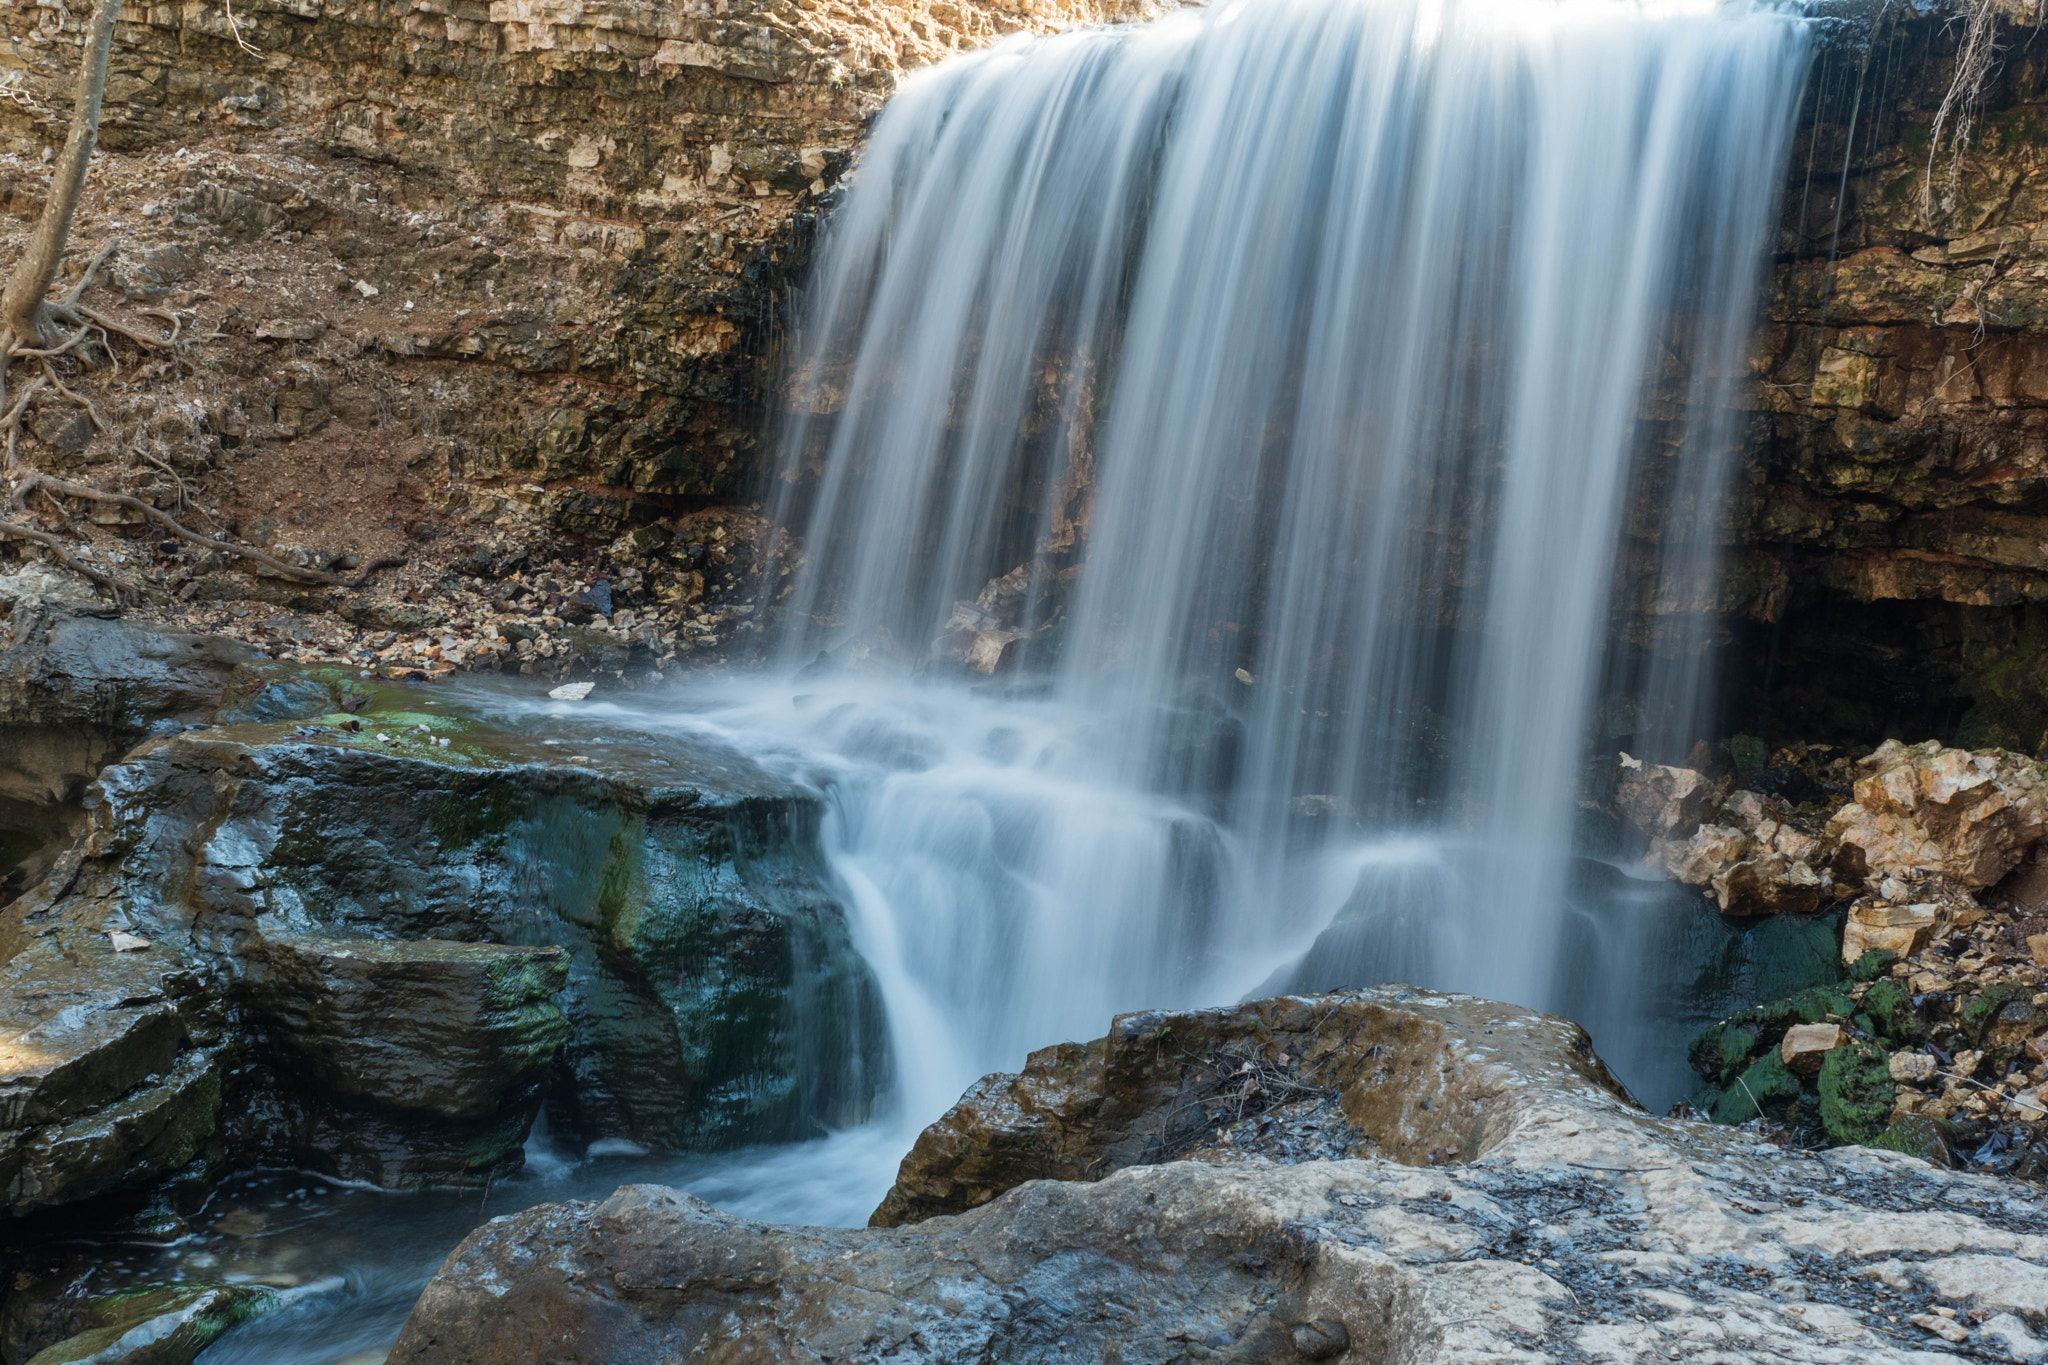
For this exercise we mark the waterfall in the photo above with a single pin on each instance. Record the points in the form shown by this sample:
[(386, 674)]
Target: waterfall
[(1224, 455)]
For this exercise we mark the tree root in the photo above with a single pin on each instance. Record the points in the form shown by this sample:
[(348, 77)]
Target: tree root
[(107, 581), (50, 487)]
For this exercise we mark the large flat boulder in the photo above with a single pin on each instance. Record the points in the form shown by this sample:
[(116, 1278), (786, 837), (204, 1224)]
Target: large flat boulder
[(1574, 1227), (399, 918)]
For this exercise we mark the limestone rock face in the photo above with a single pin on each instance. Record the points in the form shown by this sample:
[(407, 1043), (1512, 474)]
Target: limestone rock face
[(1584, 1227), (1291, 1078), (559, 240), (1969, 817)]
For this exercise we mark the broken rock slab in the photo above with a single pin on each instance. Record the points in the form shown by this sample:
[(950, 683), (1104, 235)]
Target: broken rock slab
[(1969, 817), (1574, 1226)]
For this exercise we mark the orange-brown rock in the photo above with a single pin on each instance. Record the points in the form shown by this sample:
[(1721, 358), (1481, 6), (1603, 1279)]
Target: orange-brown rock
[(1970, 817)]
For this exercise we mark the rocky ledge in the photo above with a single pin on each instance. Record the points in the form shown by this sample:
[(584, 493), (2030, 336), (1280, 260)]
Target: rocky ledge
[(1384, 1175), (364, 928)]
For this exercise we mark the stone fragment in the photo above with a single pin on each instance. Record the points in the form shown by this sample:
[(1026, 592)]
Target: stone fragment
[(989, 647), (1912, 1068), (1882, 926), (1664, 802), (1970, 817), (2037, 1047), (1806, 1045), (1942, 1327), (2038, 946), (575, 691), (127, 943)]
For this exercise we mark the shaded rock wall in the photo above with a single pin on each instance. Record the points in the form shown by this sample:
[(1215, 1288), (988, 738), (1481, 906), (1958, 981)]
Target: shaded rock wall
[(1894, 506)]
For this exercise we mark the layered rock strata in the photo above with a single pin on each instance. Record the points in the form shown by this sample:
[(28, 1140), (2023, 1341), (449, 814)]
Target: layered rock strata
[(1575, 1226)]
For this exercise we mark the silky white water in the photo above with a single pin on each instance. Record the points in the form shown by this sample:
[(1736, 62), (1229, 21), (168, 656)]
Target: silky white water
[(1334, 379), (1341, 381)]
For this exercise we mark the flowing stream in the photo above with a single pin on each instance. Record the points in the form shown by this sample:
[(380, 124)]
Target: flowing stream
[(1241, 464)]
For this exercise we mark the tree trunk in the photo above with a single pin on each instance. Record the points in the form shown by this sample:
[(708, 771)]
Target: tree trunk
[(24, 316)]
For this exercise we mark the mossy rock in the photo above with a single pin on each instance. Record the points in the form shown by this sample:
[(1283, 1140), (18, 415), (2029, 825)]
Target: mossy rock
[(1720, 1051), (1889, 1014), (1915, 1135), (159, 1325), (1765, 1088), (1856, 1093), (1872, 965), (1980, 1012)]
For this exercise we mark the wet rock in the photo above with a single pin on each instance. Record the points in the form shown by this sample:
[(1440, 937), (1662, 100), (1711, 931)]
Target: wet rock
[(405, 1062), (107, 1077), (332, 902), (1585, 1227), (1969, 817), (160, 1325)]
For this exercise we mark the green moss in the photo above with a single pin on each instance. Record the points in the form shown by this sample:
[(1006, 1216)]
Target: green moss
[(1915, 1135), (1766, 1087), (1980, 1012), (1720, 1051), (1888, 1008), (1872, 965), (1856, 1093)]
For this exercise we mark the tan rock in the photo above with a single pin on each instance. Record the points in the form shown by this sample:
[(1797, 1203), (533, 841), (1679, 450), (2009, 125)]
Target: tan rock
[(1970, 817), (2038, 946), (2037, 1047), (1806, 1045), (1911, 1068), (1899, 929), (1770, 885), (1665, 802)]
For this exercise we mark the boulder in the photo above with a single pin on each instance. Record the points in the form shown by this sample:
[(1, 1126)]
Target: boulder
[(1806, 1046), (1573, 1226), (1927, 808), (403, 935), (404, 1062), (1292, 1078), (1664, 802)]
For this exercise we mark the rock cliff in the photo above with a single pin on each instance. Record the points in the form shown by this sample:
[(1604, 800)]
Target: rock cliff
[(1893, 490)]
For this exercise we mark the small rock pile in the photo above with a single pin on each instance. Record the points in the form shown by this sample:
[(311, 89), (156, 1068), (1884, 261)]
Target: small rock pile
[(1936, 1042)]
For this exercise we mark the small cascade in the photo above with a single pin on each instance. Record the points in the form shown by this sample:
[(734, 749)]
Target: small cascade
[(1257, 443)]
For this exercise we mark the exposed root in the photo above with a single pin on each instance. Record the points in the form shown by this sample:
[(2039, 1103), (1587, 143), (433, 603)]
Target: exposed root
[(92, 268), (51, 486), (99, 423), (9, 528), (11, 422), (116, 325)]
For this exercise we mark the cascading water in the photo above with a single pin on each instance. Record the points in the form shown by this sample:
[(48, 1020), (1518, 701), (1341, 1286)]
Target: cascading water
[(1315, 379), (1315, 375)]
